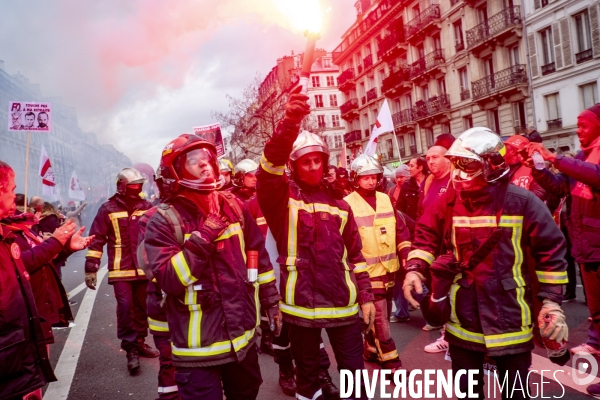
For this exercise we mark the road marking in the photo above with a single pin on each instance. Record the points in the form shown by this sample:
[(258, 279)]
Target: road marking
[(76, 291), (67, 363), (565, 377)]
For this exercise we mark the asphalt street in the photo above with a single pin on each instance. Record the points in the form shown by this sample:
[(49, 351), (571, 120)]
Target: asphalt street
[(92, 366)]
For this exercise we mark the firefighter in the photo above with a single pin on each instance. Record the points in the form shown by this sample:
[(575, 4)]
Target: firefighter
[(480, 229), (244, 179), (384, 237), (226, 169), (324, 276), (208, 256), (116, 225)]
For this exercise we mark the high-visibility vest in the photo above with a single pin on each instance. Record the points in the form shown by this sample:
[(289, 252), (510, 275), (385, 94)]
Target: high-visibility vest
[(377, 230)]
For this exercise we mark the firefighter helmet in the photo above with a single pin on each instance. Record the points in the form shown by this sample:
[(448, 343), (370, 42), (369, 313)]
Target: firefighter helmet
[(225, 165), (477, 151), (246, 166), (365, 165), (189, 161), (308, 142), (128, 176)]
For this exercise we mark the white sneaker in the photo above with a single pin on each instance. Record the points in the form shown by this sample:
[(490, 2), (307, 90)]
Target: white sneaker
[(437, 347), (584, 349)]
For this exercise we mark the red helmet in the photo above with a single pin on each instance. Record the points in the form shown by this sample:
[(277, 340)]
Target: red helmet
[(189, 161)]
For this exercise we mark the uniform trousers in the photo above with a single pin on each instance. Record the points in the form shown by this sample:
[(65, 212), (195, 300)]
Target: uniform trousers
[(283, 352), (132, 323)]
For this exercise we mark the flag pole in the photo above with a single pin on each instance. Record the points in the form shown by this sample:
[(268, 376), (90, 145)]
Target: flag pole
[(26, 169), (397, 145)]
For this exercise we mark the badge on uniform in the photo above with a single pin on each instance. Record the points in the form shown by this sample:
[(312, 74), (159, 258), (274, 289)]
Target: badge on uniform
[(324, 216), (15, 250), (383, 231)]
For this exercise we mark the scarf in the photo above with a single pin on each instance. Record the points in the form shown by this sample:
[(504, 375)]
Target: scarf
[(592, 153)]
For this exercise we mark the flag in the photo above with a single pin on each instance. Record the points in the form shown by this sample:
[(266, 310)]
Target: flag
[(47, 174), (383, 124), (75, 189), (343, 159)]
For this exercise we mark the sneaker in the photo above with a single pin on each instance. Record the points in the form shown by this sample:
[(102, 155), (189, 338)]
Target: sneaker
[(594, 390), (146, 351), (429, 328), (437, 347), (399, 319), (72, 303), (585, 349)]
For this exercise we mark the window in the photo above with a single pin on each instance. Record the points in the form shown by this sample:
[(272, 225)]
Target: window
[(330, 81), (321, 121), (412, 141), (584, 37), (335, 120), (441, 84), (547, 47), (326, 62), (366, 127), (437, 42), (319, 100), (381, 75), (416, 11), (338, 141), (552, 107), (390, 149), (458, 35), (424, 93), (463, 79), (589, 94), (513, 53), (429, 137), (316, 81), (519, 116), (333, 100), (494, 120), (401, 145), (467, 122), (445, 127)]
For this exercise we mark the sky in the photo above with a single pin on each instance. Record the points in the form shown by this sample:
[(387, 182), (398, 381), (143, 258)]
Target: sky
[(142, 72)]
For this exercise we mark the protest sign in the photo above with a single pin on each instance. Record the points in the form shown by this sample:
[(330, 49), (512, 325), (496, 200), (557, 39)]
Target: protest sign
[(29, 116), (212, 133)]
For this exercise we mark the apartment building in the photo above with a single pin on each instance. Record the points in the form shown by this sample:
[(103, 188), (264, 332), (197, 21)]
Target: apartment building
[(444, 66), (563, 39)]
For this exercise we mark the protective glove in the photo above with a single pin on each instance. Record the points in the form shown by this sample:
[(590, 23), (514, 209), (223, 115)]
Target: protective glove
[(296, 107), (413, 281), (213, 227), (275, 319), (368, 311), (552, 322), (90, 279)]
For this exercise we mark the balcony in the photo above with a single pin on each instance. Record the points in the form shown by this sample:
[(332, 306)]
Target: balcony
[(548, 68), (505, 83), (403, 117), (465, 95), (345, 79), (495, 30), (372, 94), (554, 124), (368, 62), (351, 138), (427, 64), (431, 107), (391, 45), (584, 56), (419, 26), (349, 108), (399, 79)]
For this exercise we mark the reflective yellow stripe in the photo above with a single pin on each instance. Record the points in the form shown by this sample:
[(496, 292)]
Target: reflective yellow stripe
[(422, 254), (319, 313), (195, 326), (94, 254), (182, 269), (125, 273), (516, 224), (464, 334), (388, 356), (509, 339), (403, 245), (290, 287), (191, 296), (216, 348), (158, 326), (114, 218), (266, 277), (139, 213), (360, 267), (257, 303), (270, 168), (351, 288), (377, 285), (474, 222), (382, 258), (557, 278)]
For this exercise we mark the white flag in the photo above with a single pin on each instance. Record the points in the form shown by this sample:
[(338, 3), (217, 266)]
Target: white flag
[(75, 189), (383, 124), (47, 174)]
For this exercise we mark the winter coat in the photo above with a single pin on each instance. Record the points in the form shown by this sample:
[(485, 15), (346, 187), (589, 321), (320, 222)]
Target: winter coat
[(408, 202)]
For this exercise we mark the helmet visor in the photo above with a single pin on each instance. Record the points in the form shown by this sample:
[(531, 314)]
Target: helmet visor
[(198, 168)]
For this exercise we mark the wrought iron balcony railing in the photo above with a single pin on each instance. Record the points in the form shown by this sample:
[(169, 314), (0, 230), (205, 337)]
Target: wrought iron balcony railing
[(434, 105), (509, 17), (417, 24), (499, 81), (459, 46), (465, 94), (345, 76), (368, 61), (391, 40), (426, 63), (403, 117), (554, 124), (548, 68), (348, 106), (583, 56), (372, 94), (353, 136)]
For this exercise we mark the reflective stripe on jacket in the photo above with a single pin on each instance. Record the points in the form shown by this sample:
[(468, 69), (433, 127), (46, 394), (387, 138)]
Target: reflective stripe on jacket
[(377, 230), (118, 228), (492, 303), (212, 308), (323, 273)]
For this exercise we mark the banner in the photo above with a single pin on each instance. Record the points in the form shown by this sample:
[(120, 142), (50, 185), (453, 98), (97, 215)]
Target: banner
[(47, 174), (29, 116), (75, 190), (212, 133), (383, 124)]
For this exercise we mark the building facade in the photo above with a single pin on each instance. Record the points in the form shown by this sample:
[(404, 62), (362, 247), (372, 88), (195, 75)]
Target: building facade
[(563, 39), (443, 66), (68, 147)]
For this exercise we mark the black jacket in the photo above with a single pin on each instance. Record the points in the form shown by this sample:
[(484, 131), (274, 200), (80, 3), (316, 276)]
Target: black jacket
[(408, 202), (24, 363), (583, 215)]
